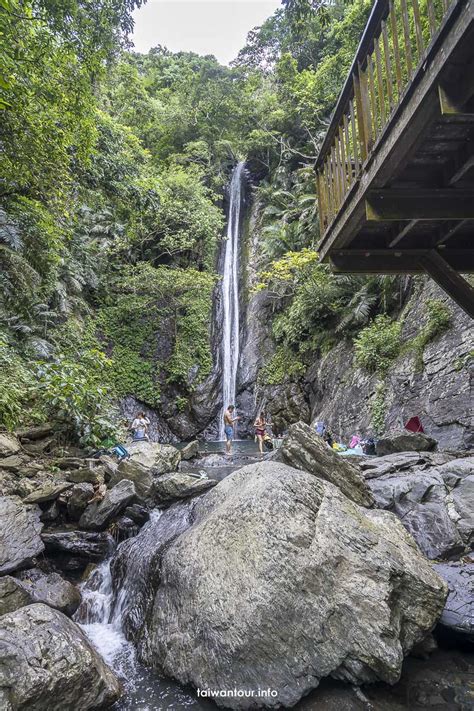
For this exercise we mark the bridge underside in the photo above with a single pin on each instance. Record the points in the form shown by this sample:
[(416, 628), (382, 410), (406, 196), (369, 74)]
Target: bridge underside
[(412, 208)]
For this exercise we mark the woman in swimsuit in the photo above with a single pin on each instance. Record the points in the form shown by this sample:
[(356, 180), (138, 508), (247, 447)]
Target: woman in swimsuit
[(260, 426)]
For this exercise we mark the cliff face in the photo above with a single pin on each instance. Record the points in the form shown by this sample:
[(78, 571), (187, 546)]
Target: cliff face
[(436, 385), (440, 392)]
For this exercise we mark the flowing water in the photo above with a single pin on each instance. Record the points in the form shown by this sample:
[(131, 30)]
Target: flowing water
[(101, 620), (230, 346)]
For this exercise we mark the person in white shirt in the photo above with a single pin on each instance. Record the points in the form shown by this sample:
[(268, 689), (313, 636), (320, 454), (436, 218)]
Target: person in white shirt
[(140, 426)]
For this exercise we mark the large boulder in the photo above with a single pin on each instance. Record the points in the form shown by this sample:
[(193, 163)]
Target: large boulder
[(100, 513), (51, 589), (48, 664), (404, 441), (434, 503), (303, 449), (9, 445), (159, 457), (35, 432), (136, 472), (20, 529), (275, 579), (176, 485), (458, 614)]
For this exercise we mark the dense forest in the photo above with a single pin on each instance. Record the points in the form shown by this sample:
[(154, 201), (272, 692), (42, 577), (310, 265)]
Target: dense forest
[(113, 172)]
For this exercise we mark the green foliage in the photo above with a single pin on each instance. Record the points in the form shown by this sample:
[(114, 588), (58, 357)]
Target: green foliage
[(438, 321), (282, 367), (155, 329), (378, 408), (378, 345), (72, 395), (15, 381)]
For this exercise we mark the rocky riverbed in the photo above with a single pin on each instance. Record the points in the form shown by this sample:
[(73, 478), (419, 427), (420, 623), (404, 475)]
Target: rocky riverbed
[(326, 580)]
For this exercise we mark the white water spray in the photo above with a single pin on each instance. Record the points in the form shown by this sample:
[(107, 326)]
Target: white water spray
[(230, 297)]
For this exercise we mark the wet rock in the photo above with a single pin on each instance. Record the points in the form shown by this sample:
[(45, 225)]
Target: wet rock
[(138, 513), (404, 441), (172, 487), (85, 475), (47, 663), (136, 472), (458, 614), (51, 589), (123, 528), (303, 449), (13, 595), (190, 450), (79, 497), (290, 580), (100, 513), (47, 492), (9, 445), (159, 457), (82, 544), (373, 467), (20, 530)]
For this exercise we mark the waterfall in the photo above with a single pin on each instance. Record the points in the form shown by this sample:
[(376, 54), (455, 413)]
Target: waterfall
[(230, 347)]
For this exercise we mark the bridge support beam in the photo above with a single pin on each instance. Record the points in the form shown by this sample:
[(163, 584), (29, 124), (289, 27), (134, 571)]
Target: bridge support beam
[(450, 280), (395, 205)]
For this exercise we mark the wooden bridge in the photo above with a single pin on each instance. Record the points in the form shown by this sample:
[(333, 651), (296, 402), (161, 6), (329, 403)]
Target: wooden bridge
[(395, 173)]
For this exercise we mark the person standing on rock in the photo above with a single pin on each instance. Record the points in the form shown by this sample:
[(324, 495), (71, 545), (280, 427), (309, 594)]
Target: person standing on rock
[(229, 421)]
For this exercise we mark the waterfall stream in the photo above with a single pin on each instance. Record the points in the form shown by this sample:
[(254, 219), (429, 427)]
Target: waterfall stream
[(230, 346), (101, 620)]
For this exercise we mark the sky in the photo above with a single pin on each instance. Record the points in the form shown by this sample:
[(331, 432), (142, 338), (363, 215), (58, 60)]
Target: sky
[(217, 27)]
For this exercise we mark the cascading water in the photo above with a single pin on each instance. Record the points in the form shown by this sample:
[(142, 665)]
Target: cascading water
[(230, 347), (101, 620)]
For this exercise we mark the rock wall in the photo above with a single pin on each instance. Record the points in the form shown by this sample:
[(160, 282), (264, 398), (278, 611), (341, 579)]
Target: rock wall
[(440, 392)]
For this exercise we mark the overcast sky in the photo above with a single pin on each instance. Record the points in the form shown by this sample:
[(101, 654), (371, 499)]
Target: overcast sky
[(217, 27)]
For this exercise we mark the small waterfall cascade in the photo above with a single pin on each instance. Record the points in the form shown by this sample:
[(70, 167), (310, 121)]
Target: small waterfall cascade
[(230, 346)]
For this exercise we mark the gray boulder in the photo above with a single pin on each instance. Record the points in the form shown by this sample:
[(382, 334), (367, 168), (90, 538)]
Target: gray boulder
[(48, 492), (81, 544), (20, 529), (48, 664), (79, 497), (13, 463), (35, 432), (51, 589), (136, 472), (303, 449), (159, 457), (190, 450), (100, 513), (275, 579), (12, 595), (435, 504), (404, 441), (9, 445), (458, 614), (176, 485), (82, 475)]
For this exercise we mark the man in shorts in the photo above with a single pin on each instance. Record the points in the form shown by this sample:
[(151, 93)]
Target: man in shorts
[(229, 420)]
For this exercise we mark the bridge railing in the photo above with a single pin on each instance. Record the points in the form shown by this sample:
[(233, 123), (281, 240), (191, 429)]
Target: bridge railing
[(395, 43)]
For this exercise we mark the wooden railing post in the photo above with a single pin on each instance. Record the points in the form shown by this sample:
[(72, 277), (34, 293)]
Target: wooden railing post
[(361, 94)]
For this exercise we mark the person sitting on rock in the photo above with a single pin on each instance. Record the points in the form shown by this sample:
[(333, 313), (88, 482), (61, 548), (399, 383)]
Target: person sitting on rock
[(139, 427)]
